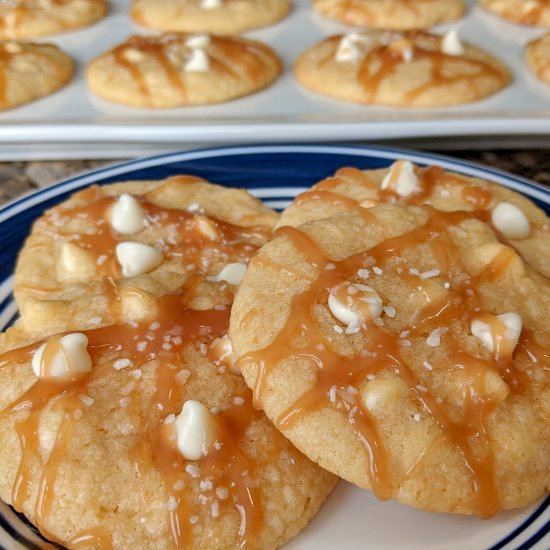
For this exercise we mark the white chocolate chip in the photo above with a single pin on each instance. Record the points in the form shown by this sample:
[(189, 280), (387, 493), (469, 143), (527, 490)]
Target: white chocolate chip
[(451, 44), (483, 330), (408, 54), (197, 41), (231, 273), (137, 258), (133, 55), (354, 304), (349, 48), (221, 350), (127, 217), (510, 221), (401, 179), (70, 357), (210, 4), (197, 62), (207, 228), (76, 263), (193, 427), (402, 46)]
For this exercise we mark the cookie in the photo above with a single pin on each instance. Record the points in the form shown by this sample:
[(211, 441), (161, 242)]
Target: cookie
[(33, 18), (524, 12), (30, 71), (174, 70), (135, 435), (181, 225), (516, 220), (537, 55), (405, 350), (391, 14), (411, 69), (211, 16)]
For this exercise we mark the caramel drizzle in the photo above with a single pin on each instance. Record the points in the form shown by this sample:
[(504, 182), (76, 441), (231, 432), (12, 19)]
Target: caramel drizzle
[(229, 56), (387, 58), (228, 465), (191, 248), (97, 538), (347, 374)]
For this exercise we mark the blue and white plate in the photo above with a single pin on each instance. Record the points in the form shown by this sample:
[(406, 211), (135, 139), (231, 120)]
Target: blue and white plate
[(352, 518)]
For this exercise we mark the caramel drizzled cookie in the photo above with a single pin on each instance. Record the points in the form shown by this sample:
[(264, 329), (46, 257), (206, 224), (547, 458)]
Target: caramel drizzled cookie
[(33, 18), (29, 71), (391, 14), (174, 70), (406, 350), (134, 435), (179, 226), (537, 55), (524, 12), (411, 69), (515, 219), (212, 16)]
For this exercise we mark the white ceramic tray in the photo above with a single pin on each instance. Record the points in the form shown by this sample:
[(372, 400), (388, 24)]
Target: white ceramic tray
[(282, 113)]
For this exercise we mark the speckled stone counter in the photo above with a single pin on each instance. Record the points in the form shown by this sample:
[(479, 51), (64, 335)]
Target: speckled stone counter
[(17, 178)]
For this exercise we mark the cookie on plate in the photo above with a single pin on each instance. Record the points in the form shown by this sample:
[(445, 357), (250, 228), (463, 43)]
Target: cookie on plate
[(407, 351), (30, 71), (537, 55), (33, 18), (517, 221), (135, 438), (391, 14), (211, 16), (175, 70), (524, 12), (179, 226), (411, 69)]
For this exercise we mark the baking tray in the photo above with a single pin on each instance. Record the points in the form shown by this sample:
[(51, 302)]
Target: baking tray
[(73, 123)]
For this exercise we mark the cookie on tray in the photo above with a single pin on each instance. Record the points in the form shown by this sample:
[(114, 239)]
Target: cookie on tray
[(537, 55), (410, 69), (34, 18), (524, 12), (30, 71), (178, 226), (174, 70), (136, 437), (517, 221), (407, 351), (211, 16), (391, 14)]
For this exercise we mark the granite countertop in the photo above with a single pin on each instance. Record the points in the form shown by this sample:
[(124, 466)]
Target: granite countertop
[(17, 178)]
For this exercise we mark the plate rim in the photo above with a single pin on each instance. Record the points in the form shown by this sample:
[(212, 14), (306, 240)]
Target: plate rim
[(475, 169)]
